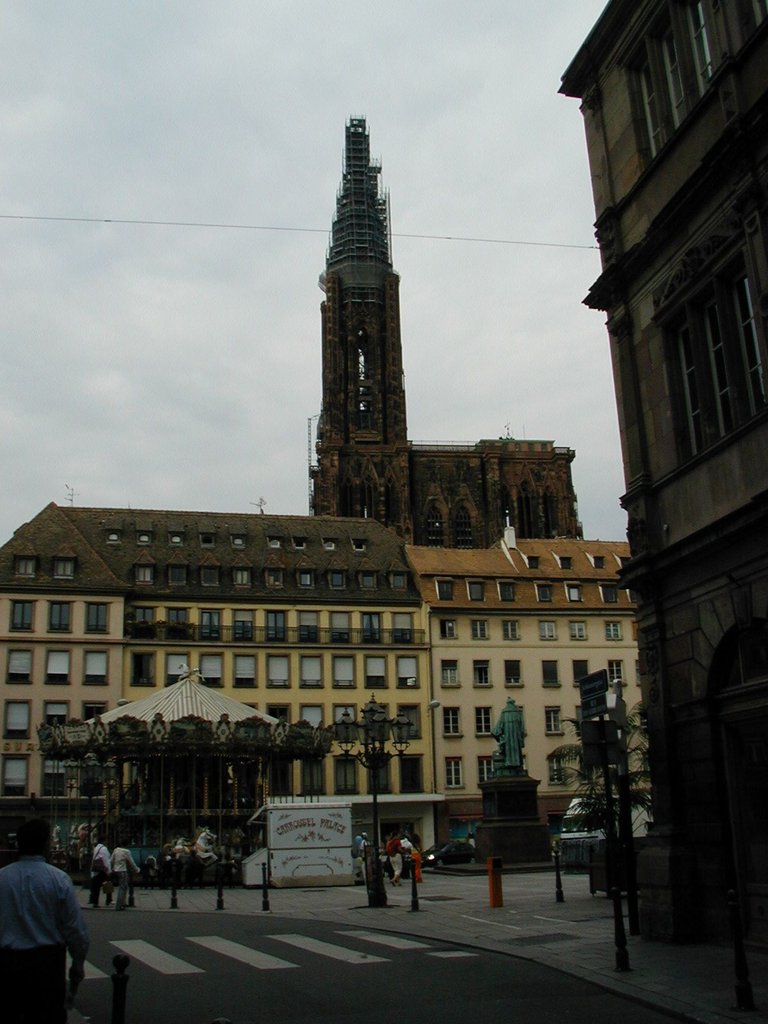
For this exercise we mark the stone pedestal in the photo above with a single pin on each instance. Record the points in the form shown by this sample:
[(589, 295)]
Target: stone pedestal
[(511, 828)]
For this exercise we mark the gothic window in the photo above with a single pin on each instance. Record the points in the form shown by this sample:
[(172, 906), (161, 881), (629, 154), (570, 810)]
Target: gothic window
[(550, 515), (434, 527), (346, 500), (462, 528), (506, 508), (526, 512), (367, 504), (365, 414)]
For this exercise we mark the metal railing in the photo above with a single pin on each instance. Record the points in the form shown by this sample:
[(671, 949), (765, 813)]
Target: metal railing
[(244, 633)]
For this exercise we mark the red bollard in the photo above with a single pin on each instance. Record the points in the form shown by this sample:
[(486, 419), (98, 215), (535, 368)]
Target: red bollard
[(494, 882)]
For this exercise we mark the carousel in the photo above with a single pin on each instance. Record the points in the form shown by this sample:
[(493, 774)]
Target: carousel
[(176, 774)]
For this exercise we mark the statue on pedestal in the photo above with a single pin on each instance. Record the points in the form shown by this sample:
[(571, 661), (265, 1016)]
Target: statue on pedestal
[(509, 733)]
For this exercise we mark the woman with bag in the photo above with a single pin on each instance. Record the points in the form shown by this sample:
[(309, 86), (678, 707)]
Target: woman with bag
[(101, 865)]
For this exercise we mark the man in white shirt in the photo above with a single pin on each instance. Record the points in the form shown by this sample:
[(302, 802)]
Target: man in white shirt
[(101, 865), (40, 920), (122, 863)]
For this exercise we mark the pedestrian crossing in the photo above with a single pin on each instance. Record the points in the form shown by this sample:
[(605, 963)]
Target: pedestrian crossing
[(346, 951)]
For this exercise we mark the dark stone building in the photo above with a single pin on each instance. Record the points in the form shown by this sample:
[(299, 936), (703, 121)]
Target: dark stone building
[(675, 103), (443, 495)]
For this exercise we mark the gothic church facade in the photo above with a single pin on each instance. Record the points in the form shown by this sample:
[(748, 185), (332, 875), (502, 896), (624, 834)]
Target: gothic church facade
[(432, 494)]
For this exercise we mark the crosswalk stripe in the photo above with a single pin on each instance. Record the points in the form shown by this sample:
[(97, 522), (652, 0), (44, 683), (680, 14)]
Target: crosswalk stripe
[(450, 954), (92, 972), (155, 958), (349, 956), (393, 941), (246, 955)]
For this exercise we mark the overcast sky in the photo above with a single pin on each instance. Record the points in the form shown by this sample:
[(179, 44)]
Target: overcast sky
[(154, 366)]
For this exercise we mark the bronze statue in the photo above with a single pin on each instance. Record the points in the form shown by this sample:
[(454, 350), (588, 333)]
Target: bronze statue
[(509, 733)]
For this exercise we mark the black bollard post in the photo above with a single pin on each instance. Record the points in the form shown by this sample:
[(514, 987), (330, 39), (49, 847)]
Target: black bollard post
[(174, 901), (414, 889), (559, 898), (119, 987), (620, 936), (264, 888), (131, 898), (744, 997), (219, 889)]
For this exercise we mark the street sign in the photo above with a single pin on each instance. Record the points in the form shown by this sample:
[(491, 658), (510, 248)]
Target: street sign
[(600, 740), (593, 690)]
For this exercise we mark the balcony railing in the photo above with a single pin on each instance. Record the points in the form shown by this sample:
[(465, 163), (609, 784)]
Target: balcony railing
[(244, 633)]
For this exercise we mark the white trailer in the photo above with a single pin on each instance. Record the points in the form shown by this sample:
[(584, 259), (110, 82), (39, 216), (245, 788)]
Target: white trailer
[(302, 844)]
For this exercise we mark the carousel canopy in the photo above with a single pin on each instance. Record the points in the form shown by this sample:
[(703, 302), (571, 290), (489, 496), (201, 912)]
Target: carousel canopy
[(187, 698)]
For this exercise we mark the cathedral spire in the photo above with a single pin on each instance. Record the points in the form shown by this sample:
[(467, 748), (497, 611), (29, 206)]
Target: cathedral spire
[(360, 232)]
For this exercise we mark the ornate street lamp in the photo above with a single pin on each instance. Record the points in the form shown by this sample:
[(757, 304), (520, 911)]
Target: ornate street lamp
[(371, 734)]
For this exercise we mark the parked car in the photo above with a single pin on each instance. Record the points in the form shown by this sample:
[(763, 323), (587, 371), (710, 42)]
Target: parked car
[(448, 853)]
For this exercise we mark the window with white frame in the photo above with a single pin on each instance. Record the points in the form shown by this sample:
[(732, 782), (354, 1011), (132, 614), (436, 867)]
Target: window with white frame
[(510, 629), (55, 712), (448, 629), (556, 771), (701, 45), (479, 629), (343, 671), (407, 672), (449, 672), (512, 673), (476, 590), (578, 630), (482, 721), (96, 617), (277, 670), (402, 627), (175, 664), (451, 722), (544, 592), (241, 575), (19, 666), (481, 672), (375, 672), (547, 630), (552, 725), (210, 669), (750, 347), (16, 720), (573, 591), (615, 671), (340, 627), (484, 768), (57, 667), (95, 666), (312, 713), (245, 670), (311, 670), (454, 773), (25, 566), (550, 675), (242, 624), (144, 574), (309, 632), (63, 568), (613, 631), (15, 772)]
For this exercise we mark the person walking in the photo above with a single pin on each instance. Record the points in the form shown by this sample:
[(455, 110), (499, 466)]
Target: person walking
[(101, 865), (40, 921), (122, 863), (395, 856)]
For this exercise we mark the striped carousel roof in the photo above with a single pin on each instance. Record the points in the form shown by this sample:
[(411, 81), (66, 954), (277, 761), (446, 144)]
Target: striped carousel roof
[(187, 698)]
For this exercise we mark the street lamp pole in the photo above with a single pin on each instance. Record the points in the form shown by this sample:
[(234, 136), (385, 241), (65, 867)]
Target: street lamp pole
[(371, 734)]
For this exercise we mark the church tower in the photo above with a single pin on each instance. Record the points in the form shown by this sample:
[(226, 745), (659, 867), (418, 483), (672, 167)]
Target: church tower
[(362, 444)]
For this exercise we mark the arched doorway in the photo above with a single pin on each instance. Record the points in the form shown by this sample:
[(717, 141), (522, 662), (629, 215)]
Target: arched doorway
[(740, 684)]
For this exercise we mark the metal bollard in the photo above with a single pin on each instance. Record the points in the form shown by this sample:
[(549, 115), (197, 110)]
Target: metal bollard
[(174, 901), (219, 889), (414, 889), (264, 888), (744, 998), (559, 898), (619, 935), (131, 898), (494, 882), (119, 987)]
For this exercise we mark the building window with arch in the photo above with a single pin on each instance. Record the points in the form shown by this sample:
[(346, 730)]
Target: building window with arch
[(435, 527), (462, 528)]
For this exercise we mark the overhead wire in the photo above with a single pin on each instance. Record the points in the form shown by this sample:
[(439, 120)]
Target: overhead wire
[(274, 227)]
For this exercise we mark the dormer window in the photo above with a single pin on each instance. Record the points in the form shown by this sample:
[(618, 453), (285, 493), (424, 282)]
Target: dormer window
[(207, 539), (144, 537), (399, 581), (573, 591), (506, 590), (598, 561), (306, 578), (299, 543), (273, 542), (63, 568), (238, 541), (329, 543), (543, 592), (175, 539), (274, 577), (533, 561), (113, 537), (359, 544), (444, 590), (565, 562), (25, 566), (144, 573), (337, 579), (368, 580), (476, 590), (209, 575)]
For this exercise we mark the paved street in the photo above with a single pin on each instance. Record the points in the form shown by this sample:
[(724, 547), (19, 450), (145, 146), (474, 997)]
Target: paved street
[(323, 953)]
